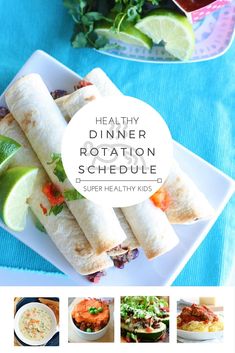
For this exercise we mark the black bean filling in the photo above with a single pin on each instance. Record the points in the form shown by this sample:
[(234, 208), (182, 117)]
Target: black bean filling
[(3, 112), (121, 260), (58, 93)]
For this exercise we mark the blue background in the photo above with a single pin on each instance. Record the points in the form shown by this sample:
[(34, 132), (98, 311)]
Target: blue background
[(196, 100)]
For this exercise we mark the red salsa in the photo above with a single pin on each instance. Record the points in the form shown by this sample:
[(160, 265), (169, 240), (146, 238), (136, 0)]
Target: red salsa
[(53, 194), (192, 5)]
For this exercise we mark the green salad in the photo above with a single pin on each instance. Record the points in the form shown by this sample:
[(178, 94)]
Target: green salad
[(144, 318)]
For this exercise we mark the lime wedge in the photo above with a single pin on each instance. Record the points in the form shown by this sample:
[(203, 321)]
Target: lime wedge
[(8, 148), (16, 185), (171, 28), (128, 34)]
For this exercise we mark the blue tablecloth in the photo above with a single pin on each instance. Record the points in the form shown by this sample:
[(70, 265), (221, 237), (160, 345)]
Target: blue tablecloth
[(196, 100)]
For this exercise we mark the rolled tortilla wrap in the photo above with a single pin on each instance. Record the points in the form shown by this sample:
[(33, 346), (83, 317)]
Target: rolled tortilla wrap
[(63, 228), (42, 122), (60, 104), (69, 106), (130, 243), (151, 228), (148, 223), (133, 214), (187, 203), (105, 86), (71, 103)]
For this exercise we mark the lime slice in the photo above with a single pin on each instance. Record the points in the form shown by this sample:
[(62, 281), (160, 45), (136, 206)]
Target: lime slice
[(16, 185), (173, 29), (128, 34), (8, 148)]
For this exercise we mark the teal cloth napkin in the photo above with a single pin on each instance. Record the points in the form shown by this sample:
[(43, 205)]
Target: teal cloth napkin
[(197, 101)]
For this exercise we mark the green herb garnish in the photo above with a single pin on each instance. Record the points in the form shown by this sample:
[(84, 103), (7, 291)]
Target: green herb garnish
[(55, 210), (59, 168), (37, 223), (88, 329), (132, 336), (88, 13), (85, 15), (72, 195), (141, 307)]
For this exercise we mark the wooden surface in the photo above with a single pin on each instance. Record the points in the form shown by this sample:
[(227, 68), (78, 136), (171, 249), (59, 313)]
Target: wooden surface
[(16, 301), (73, 337)]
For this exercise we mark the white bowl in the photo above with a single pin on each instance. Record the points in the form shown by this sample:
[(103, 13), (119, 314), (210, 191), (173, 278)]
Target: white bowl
[(17, 320), (199, 336), (88, 336)]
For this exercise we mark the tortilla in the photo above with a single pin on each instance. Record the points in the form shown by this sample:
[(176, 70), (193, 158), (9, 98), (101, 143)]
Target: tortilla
[(71, 103), (105, 86), (128, 219), (131, 242), (69, 106), (42, 122), (151, 228), (63, 228), (149, 225), (187, 204)]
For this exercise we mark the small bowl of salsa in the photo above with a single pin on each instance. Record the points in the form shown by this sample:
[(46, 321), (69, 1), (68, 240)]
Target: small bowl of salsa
[(195, 10)]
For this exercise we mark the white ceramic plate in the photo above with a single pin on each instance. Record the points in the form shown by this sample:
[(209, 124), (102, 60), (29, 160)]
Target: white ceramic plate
[(199, 336), (17, 321), (163, 270)]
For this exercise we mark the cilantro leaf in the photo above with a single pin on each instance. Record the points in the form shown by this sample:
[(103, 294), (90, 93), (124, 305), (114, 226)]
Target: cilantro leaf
[(59, 168), (55, 210), (87, 13), (79, 40), (72, 195)]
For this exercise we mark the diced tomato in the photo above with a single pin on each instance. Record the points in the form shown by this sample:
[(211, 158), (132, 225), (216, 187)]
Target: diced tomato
[(148, 329), (96, 279), (83, 83), (161, 199), (44, 209), (53, 194)]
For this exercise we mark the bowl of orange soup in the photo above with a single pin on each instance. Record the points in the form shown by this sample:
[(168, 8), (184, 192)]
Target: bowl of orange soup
[(90, 318)]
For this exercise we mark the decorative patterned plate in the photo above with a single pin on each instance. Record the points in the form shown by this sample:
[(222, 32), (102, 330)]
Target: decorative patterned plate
[(214, 35)]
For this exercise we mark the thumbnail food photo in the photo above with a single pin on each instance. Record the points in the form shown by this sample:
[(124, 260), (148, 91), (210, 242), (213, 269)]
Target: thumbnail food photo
[(144, 319), (91, 319), (201, 320), (36, 321)]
